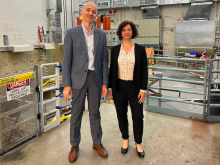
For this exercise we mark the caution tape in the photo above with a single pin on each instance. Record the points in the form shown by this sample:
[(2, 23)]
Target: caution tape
[(14, 79)]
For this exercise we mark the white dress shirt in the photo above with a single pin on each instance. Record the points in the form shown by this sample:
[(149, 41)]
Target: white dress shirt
[(90, 46)]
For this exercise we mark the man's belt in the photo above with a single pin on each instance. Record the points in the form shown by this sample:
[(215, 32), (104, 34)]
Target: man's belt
[(89, 70)]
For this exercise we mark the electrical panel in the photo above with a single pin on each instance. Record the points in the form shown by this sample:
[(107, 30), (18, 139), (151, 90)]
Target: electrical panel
[(119, 3), (103, 4), (112, 38)]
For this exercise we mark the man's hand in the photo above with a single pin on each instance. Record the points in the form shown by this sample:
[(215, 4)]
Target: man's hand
[(110, 95), (141, 97), (66, 91), (104, 90)]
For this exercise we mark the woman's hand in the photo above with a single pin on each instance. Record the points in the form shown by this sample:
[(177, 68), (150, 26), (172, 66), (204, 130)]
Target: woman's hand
[(110, 95), (141, 97)]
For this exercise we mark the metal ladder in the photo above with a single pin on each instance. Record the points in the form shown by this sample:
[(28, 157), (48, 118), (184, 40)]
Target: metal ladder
[(44, 126), (213, 93)]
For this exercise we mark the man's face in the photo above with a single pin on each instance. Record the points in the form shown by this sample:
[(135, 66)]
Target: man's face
[(89, 12)]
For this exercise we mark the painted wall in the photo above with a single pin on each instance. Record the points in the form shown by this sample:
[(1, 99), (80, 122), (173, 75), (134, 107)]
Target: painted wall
[(20, 20)]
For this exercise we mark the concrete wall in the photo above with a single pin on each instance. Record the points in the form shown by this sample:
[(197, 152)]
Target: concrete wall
[(20, 19)]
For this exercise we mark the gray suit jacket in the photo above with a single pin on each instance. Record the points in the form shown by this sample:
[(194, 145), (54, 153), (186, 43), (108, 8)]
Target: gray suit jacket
[(75, 58)]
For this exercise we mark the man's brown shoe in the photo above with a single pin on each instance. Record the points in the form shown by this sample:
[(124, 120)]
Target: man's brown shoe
[(73, 154), (101, 150)]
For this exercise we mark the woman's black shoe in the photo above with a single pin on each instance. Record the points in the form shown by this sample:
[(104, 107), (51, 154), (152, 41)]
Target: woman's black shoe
[(124, 151), (140, 154)]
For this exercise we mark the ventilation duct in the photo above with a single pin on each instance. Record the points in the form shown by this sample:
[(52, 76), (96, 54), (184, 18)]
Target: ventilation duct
[(149, 2), (199, 11), (150, 12)]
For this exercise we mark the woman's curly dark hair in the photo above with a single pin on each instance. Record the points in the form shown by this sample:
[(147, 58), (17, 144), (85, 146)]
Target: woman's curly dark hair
[(122, 25)]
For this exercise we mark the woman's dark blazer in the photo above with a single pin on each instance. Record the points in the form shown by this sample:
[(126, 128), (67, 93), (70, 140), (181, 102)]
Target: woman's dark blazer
[(140, 68)]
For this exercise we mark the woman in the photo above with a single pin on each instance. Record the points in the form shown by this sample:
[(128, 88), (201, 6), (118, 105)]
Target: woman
[(128, 83)]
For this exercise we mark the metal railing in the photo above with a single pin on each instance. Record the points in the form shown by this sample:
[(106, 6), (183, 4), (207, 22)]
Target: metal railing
[(176, 111), (213, 106), (44, 125)]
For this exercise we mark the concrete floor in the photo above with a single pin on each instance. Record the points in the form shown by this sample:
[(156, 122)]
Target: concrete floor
[(167, 140)]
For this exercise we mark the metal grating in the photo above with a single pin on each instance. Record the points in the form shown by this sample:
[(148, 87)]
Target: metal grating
[(18, 118)]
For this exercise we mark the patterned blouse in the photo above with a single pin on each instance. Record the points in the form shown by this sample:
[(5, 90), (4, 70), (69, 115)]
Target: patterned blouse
[(126, 64)]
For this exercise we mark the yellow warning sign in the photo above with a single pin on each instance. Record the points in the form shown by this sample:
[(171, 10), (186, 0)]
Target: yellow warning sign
[(9, 80)]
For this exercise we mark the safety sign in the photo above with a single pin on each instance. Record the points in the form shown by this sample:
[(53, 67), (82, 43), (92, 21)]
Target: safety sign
[(18, 89)]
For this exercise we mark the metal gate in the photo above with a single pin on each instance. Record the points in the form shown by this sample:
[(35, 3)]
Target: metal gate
[(18, 110), (45, 125), (213, 106), (179, 91)]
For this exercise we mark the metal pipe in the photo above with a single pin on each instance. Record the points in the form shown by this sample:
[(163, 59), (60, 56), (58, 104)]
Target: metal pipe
[(183, 59), (177, 90), (176, 100), (133, 12), (209, 89), (177, 69), (38, 106), (178, 80), (205, 91)]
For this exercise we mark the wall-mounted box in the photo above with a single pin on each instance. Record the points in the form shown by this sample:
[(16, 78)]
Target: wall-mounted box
[(103, 4), (118, 3), (112, 38)]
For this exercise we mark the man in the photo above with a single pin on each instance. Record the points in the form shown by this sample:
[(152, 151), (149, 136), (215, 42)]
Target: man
[(85, 71)]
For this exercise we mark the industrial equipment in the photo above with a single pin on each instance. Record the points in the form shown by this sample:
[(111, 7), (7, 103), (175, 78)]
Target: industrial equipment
[(118, 3), (150, 32), (112, 38), (103, 4)]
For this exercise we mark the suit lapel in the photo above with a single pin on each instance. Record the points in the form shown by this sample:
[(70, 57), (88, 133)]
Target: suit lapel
[(82, 38), (117, 55), (137, 60), (96, 40)]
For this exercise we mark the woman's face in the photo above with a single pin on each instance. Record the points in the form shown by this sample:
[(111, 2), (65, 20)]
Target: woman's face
[(127, 32)]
